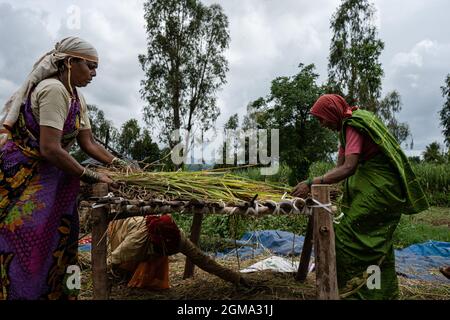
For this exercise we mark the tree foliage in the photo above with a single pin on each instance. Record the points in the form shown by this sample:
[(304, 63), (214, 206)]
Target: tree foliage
[(354, 69), (137, 144), (184, 65), (433, 153), (234, 144), (129, 133), (102, 129), (129, 142), (232, 122), (445, 111), (387, 108), (302, 140)]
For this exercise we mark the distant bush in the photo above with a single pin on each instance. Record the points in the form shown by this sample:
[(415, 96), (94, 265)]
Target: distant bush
[(435, 181)]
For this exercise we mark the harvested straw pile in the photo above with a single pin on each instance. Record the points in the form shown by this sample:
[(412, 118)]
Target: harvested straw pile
[(212, 186)]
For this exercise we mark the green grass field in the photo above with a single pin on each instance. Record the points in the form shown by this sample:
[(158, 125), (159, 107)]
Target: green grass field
[(432, 224)]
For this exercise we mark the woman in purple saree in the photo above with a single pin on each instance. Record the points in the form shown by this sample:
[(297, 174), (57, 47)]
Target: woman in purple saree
[(39, 180)]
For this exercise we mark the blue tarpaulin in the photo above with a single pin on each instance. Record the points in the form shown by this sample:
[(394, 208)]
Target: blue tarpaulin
[(274, 241), (422, 261), (419, 261)]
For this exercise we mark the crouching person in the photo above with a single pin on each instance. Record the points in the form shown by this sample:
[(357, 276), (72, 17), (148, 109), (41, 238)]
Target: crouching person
[(141, 246)]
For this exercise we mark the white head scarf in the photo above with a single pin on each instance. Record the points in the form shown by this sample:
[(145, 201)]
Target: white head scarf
[(44, 68)]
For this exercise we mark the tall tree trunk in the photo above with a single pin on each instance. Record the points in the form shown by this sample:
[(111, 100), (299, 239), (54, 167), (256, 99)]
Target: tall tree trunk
[(189, 127), (176, 103)]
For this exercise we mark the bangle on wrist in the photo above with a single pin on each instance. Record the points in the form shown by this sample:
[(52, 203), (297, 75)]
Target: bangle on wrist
[(89, 176), (118, 162)]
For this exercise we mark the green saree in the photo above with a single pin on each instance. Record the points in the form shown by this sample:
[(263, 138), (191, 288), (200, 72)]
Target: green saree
[(381, 190)]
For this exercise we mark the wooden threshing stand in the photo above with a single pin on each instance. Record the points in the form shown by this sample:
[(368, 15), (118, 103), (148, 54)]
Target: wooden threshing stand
[(319, 234)]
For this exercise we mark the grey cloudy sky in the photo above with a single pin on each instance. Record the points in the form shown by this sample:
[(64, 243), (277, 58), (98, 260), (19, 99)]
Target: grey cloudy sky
[(269, 38)]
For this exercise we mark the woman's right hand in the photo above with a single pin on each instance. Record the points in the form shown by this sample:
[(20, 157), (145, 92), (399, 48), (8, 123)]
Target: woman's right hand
[(301, 190), (106, 179)]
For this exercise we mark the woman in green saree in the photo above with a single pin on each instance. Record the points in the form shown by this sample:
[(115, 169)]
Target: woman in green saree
[(379, 187)]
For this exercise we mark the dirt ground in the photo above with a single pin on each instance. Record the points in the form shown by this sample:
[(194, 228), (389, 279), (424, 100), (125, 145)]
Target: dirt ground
[(265, 285)]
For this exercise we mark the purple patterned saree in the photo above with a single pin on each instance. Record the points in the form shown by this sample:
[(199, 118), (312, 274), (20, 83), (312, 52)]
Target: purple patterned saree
[(38, 214)]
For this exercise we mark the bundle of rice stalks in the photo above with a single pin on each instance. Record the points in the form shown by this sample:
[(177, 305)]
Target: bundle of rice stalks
[(213, 186)]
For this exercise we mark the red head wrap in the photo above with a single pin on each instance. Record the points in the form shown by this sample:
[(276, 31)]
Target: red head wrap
[(332, 108), (164, 233)]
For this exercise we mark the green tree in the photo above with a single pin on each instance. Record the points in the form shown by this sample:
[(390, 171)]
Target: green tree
[(302, 140), (253, 113), (354, 69), (136, 145), (145, 150), (184, 65), (231, 124), (102, 129), (129, 134), (387, 108), (433, 153), (445, 112)]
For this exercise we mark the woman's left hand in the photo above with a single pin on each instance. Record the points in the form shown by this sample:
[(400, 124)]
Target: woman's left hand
[(126, 165), (301, 190)]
